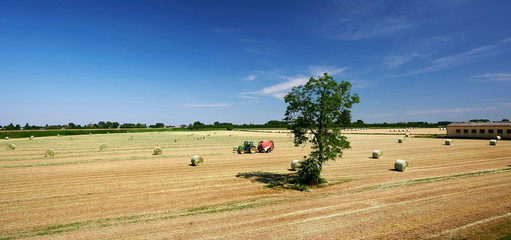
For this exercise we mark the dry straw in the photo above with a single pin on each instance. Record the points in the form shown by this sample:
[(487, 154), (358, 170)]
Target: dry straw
[(11, 146), (103, 147), (493, 142), (400, 140), (448, 141), (295, 164), (377, 154), (49, 153), (197, 160), (401, 165), (158, 151)]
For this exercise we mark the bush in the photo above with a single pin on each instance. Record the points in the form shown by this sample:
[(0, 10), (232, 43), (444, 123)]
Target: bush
[(309, 173)]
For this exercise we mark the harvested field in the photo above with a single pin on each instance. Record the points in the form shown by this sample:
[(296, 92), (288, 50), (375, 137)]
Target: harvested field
[(457, 191)]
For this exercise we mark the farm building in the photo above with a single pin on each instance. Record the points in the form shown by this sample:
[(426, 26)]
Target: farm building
[(484, 130)]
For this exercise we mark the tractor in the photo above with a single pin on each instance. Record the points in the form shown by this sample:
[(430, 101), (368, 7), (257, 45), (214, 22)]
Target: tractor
[(248, 146), (265, 146)]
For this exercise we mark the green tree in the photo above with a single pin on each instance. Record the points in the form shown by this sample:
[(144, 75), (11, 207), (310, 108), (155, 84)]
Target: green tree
[(313, 110), (27, 127), (115, 124), (505, 120), (345, 119), (10, 127)]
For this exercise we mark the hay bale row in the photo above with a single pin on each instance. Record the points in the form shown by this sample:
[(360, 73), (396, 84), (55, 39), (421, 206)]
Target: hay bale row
[(49, 153), (197, 160)]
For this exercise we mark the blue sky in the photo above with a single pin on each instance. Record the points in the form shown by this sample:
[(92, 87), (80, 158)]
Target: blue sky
[(178, 62)]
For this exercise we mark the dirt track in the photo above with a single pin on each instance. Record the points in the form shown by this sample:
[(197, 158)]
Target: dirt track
[(125, 192)]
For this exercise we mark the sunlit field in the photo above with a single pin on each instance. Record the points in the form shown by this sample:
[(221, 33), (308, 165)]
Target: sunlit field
[(126, 192)]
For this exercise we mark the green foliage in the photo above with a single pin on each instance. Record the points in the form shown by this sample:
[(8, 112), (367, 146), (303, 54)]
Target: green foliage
[(313, 111), (309, 172), (479, 120), (505, 120)]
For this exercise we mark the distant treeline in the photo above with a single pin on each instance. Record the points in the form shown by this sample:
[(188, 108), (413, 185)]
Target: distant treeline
[(282, 124), (216, 125), (99, 125)]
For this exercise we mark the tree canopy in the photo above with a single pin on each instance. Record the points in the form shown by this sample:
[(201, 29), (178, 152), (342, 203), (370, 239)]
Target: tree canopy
[(313, 111)]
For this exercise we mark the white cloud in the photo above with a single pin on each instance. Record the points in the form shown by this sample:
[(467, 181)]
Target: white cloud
[(281, 89), (506, 40), (212, 105), (450, 111), (250, 77), (320, 70), (491, 77)]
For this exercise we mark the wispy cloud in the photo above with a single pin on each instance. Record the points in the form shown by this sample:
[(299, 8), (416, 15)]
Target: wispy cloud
[(506, 40), (457, 59), (250, 77), (226, 30), (320, 70), (492, 77), (357, 29), (396, 61), (255, 51), (378, 115), (281, 89), (450, 111), (212, 105)]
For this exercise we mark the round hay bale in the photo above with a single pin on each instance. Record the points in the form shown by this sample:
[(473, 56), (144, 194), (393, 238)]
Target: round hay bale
[(31, 138), (400, 140), (406, 135), (158, 151), (90, 133), (58, 135), (49, 153), (11, 146), (6, 138), (295, 164), (377, 154), (197, 160), (175, 139), (448, 141), (493, 142), (103, 147), (498, 137), (401, 165)]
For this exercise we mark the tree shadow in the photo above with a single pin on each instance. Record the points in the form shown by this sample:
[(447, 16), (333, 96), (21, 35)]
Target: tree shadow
[(272, 180)]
